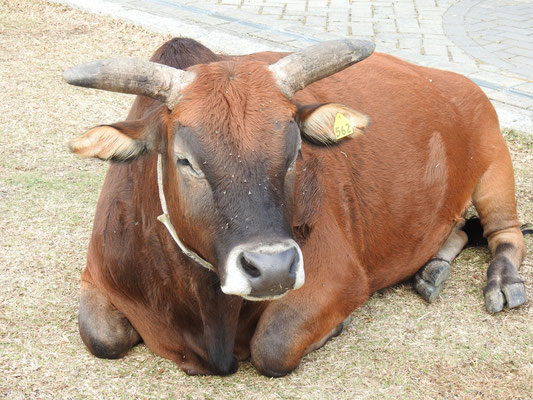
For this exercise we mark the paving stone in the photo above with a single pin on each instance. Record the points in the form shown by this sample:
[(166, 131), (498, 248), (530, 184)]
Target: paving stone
[(410, 43), (459, 56), (292, 18), (432, 27), (359, 12), (436, 50), (294, 7), (337, 17), (408, 26), (204, 19), (521, 60), (239, 28), (356, 18), (480, 26), (525, 87), (513, 17), (518, 31), (313, 20), (385, 11), (496, 47), (269, 10), (517, 51), (524, 45), (362, 28), (438, 40), (497, 78), (517, 101), (520, 24), (385, 26)]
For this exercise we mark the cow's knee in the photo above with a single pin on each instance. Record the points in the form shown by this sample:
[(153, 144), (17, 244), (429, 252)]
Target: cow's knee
[(106, 332), (273, 355), (277, 349)]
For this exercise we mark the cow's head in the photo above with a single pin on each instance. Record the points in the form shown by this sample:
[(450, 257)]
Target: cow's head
[(229, 138)]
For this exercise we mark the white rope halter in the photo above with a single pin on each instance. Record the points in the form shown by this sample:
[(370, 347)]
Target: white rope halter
[(165, 220)]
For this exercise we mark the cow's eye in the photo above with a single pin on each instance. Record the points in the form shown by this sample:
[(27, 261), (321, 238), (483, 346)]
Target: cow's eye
[(188, 167), (292, 165), (184, 162)]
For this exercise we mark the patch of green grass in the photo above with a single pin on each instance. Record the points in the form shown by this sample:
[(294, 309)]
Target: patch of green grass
[(72, 181), (520, 138)]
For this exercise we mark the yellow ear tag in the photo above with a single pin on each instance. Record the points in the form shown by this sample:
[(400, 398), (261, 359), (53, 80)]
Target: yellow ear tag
[(342, 126)]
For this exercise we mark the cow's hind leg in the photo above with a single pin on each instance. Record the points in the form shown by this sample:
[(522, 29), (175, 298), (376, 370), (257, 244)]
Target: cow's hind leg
[(494, 199), (106, 332), (429, 280)]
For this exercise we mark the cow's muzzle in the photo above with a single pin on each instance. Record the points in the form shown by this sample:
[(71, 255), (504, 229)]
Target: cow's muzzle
[(263, 271)]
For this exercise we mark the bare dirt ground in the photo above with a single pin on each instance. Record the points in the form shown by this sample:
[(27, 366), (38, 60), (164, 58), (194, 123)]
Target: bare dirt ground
[(398, 346)]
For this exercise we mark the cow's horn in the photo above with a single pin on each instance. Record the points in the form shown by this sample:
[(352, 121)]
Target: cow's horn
[(133, 76), (294, 72)]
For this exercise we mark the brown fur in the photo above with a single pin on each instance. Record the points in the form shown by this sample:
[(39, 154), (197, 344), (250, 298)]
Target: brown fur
[(368, 212)]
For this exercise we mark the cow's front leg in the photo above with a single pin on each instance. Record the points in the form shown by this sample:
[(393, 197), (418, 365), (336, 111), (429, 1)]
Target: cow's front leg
[(429, 281), (306, 318), (106, 332)]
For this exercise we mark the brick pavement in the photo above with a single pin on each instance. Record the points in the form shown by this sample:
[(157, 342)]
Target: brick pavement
[(490, 41)]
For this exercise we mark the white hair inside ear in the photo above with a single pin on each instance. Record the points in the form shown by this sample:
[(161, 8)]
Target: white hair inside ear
[(329, 123), (106, 143)]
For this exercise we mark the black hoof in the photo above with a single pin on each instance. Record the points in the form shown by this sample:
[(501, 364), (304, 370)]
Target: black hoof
[(435, 272), (504, 286), (427, 291), (500, 294)]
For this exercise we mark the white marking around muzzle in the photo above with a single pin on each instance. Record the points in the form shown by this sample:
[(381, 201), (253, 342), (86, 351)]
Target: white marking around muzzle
[(237, 283)]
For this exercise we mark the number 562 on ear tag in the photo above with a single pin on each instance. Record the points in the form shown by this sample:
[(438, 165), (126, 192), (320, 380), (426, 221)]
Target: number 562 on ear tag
[(342, 126)]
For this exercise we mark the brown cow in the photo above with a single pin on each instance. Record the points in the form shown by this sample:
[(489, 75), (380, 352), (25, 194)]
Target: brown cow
[(246, 197)]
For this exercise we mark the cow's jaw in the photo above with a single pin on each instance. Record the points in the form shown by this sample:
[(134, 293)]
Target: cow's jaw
[(282, 270)]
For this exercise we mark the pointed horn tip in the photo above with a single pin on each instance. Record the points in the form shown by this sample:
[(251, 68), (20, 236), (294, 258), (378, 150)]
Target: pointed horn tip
[(365, 47), (81, 75), (70, 76)]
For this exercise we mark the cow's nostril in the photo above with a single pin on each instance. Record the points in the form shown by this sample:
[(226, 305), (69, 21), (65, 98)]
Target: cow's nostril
[(249, 268), (294, 266)]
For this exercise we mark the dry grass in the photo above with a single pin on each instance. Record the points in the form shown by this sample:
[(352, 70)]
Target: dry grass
[(397, 347)]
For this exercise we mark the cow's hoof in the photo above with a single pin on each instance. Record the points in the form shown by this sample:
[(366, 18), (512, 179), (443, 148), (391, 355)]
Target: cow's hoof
[(429, 281), (427, 291), (510, 293), (435, 272)]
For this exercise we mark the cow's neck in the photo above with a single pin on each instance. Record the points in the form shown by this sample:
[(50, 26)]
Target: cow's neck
[(217, 313), (220, 318)]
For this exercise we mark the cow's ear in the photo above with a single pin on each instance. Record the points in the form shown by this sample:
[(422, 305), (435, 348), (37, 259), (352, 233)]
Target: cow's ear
[(121, 141), (329, 123)]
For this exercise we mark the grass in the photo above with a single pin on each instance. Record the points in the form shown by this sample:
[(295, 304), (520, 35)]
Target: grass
[(397, 346)]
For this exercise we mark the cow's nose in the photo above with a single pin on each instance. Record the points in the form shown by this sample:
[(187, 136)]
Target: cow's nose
[(270, 274), (261, 271)]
